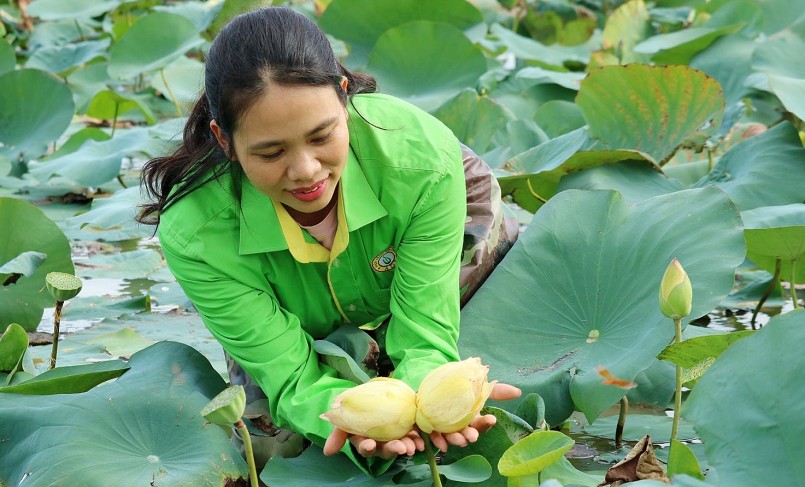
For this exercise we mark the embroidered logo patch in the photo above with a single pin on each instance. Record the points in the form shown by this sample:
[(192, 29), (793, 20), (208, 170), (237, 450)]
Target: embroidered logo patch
[(385, 261)]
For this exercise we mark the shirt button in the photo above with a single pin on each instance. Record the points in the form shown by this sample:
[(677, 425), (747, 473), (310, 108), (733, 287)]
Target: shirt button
[(352, 307), (336, 262)]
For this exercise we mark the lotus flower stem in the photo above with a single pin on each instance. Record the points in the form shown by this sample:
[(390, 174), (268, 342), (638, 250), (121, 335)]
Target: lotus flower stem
[(247, 445), (774, 280), (170, 92), (56, 323), (793, 282), (678, 392), (434, 470), (621, 422)]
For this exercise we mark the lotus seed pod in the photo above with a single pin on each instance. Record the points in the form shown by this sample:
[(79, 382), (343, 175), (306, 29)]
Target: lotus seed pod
[(451, 395), (227, 407), (63, 286), (676, 293), (382, 409)]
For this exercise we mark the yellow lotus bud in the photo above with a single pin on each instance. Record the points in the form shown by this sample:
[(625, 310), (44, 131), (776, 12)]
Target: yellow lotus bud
[(382, 409), (451, 395), (676, 294)]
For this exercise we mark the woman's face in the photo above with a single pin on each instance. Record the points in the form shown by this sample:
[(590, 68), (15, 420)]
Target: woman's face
[(292, 144)]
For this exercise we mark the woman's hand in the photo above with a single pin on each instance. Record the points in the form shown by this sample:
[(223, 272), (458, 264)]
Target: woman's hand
[(367, 447), (470, 434), (411, 443)]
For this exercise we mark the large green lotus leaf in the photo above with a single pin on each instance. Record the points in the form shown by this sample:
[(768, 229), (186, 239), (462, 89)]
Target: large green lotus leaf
[(426, 62), (110, 219), (57, 59), (579, 289), (86, 81), (26, 228), (791, 92), (680, 46), (183, 78), (558, 117), (538, 170), (730, 75), (35, 109), (552, 57), (201, 14), (750, 172), (648, 108), (745, 12), (70, 379), (473, 118), (153, 42), (531, 76), (111, 105), (24, 264), (508, 430), (362, 31), (98, 162), (313, 468), (74, 9), (8, 60), (61, 32), (13, 344), (143, 426), (774, 57), (533, 453), (777, 232), (625, 28), (756, 443), (134, 264)]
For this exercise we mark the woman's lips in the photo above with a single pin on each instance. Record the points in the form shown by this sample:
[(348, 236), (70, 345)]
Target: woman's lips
[(310, 193)]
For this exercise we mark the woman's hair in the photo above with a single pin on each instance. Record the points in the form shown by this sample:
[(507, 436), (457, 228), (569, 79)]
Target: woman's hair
[(269, 45)]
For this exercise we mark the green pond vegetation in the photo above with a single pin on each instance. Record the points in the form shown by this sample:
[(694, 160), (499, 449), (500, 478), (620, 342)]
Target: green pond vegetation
[(624, 134)]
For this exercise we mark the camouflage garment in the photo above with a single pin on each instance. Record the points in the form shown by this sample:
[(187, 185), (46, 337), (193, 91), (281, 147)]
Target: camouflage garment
[(488, 234)]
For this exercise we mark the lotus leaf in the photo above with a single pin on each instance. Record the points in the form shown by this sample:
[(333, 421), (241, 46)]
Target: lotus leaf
[(754, 444), (579, 290), (146, 425), (28, 229)]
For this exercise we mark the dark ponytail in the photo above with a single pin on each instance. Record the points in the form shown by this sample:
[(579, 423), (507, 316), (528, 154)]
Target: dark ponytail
[(269, 45)]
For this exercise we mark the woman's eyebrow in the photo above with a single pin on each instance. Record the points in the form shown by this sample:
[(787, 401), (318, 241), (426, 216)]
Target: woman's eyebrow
[(269, 143)]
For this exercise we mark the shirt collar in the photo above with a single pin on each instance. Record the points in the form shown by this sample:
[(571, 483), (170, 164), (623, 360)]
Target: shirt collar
[(261, 229)]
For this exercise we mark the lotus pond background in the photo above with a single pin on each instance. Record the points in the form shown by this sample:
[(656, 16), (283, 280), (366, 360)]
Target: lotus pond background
[(624, 134)]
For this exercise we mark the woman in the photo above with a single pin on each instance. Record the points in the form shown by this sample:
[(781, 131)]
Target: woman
[(301, 201)]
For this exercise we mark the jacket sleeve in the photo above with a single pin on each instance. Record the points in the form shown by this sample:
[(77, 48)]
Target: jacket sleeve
[(266, 340), (423, 329)]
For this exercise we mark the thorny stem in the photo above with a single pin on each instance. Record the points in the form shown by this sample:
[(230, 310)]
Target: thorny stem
[(772, 284), (434, 471), (56, 323), (793, 282), (621, 422), (678, 392), (114, 118), (247, 445)]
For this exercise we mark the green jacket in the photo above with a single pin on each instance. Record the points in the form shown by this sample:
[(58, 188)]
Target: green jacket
[(266, 289)]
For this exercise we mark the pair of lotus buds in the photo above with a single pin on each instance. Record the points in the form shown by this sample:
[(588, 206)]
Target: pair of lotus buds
[(386, 409)]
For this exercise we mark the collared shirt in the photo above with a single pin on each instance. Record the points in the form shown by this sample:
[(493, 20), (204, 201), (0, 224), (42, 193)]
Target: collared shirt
[(266, 289)]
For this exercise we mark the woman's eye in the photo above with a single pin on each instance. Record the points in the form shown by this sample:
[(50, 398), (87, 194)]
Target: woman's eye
[(322, 139), (270, 156)]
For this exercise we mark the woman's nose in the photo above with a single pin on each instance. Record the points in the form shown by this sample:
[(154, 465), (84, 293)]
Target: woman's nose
[(304, 167)]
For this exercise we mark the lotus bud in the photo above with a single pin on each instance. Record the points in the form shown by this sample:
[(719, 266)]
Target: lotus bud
[(676, 294), (227, 407), (382, 409), (451, 395), (63, 286)]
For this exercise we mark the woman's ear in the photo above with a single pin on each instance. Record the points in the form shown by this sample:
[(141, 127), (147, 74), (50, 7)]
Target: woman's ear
[(221, 138), (344, 82)]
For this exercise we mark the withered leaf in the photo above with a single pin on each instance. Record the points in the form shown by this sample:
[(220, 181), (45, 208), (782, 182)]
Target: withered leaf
[(640, 464)]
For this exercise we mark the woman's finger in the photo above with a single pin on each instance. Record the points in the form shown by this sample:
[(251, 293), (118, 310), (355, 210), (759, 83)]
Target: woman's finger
[(470, 433), (456, 439), (483, 423), (438, 440), (504, 392), (335, 441)]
